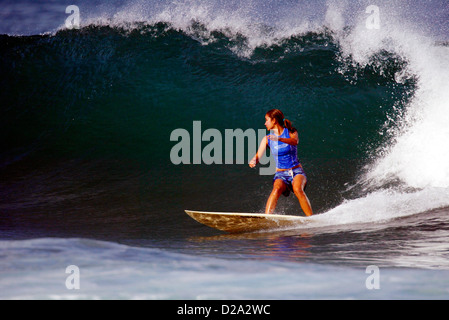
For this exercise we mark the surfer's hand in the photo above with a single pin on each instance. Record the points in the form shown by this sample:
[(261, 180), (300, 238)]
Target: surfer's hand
[(252, 163)]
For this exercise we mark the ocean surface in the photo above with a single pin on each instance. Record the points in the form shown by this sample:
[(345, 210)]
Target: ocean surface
[(88, 176)]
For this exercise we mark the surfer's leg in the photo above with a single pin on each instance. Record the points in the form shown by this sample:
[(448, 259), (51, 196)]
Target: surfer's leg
[(278, 188), (299, 183)]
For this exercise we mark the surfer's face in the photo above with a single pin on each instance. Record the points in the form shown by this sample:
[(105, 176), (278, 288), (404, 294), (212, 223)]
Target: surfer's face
[(269, 123)]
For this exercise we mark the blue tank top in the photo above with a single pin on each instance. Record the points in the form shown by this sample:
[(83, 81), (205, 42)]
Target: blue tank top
[(285, 154)]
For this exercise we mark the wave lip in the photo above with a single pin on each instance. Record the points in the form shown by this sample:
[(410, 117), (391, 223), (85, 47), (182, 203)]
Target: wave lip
[(416, 153)]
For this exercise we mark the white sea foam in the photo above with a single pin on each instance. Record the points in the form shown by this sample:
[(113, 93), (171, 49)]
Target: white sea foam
[(381, 206), (416, 155), (35, 269)]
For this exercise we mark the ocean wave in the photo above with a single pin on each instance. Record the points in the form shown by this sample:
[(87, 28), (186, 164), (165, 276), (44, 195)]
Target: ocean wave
[(378, 96)]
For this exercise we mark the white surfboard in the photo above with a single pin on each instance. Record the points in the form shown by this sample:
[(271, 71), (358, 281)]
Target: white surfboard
[(245, 222)]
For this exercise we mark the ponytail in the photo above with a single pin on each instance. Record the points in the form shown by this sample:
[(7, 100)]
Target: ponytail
[(289, 126)]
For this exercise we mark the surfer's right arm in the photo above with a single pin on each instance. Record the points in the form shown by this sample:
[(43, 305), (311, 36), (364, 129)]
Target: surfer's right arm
[(260, 152)]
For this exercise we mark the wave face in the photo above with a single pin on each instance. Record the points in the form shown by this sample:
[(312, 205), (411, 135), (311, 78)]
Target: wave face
[(88, 112), (111, 82)]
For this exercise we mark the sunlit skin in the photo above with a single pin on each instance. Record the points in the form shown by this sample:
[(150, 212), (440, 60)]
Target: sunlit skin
[(299, 182)]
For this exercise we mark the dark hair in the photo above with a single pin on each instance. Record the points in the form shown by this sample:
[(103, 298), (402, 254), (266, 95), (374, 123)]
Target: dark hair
[(279, 116)]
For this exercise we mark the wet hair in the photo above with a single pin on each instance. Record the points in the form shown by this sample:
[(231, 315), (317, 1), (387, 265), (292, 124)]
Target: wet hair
[(279, 116)]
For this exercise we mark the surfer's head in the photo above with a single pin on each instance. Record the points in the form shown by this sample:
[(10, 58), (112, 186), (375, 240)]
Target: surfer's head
[(276, 116)]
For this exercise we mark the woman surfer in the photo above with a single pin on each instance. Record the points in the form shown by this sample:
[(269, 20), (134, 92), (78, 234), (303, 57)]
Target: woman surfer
[(290, 175)]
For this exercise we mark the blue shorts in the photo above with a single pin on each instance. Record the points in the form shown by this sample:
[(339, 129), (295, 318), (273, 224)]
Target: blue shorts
[(287, 177)]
